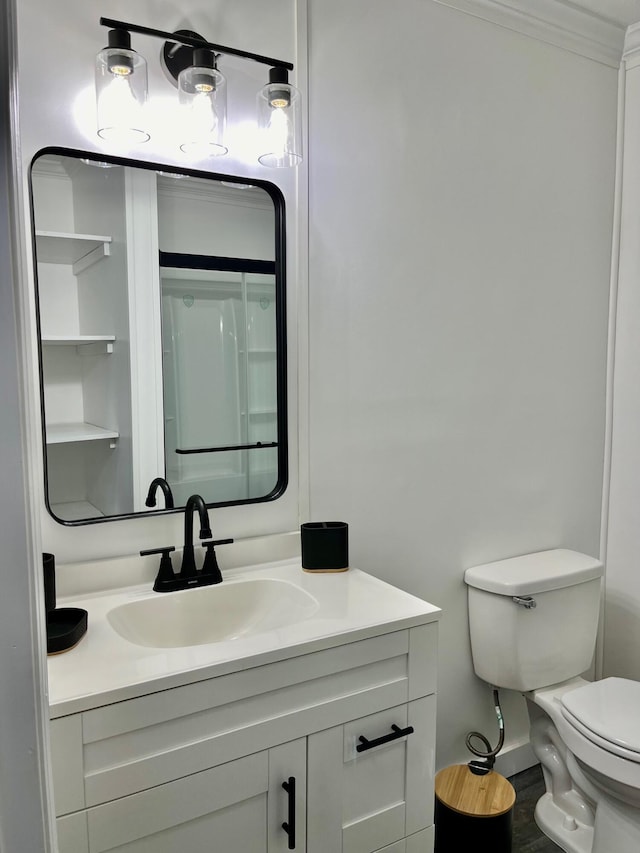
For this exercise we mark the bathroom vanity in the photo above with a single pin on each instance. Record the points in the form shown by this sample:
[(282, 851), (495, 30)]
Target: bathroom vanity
[(308, 723)]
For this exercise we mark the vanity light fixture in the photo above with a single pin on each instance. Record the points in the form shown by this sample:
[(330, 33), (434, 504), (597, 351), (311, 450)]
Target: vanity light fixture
[(192, 63), (202, 91), (121, 91), (279, 121)]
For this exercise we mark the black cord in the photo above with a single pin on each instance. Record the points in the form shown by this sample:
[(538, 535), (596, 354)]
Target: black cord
[(488, 755)]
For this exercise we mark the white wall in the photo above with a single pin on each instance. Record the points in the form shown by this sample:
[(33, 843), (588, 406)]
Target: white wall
[(24, 816), (66, 118), (235, 223), (622, 611), (461, 194)]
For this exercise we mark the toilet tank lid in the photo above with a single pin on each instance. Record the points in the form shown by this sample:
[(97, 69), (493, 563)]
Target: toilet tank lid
[(534, 573)]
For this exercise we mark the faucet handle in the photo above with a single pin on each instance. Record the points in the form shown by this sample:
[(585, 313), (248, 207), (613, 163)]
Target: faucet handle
[(165, 579), (166, 549), (210, 572)]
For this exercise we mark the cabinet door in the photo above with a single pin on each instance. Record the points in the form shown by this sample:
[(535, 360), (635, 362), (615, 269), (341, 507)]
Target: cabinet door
[(287, 762), (397, 847), (239, 806), (72, 833), (421, 842), (361, 802)]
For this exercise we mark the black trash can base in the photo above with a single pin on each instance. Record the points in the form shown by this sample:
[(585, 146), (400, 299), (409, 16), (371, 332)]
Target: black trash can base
[(473, 809)]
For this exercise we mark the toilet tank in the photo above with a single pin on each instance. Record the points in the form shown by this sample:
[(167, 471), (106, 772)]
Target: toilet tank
[(533, 619)]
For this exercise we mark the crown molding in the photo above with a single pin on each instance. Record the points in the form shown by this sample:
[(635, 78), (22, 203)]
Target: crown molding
[(214, 191), (554, 22), (631, 53), (49, 166)]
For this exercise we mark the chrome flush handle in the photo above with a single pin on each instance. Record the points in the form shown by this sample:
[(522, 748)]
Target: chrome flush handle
[(525, 601)]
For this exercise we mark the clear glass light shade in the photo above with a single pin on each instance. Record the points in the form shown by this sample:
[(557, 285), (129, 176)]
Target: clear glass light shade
[(203, 98), (121, 93), (280, 125)]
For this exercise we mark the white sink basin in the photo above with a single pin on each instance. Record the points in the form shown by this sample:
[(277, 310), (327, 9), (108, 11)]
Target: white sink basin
[(212, 614)]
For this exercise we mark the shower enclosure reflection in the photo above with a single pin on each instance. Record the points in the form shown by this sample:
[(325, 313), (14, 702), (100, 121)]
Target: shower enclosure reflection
[(161, 322), (212, 317)]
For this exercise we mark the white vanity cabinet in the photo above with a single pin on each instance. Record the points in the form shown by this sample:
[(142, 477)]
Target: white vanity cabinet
[(240, 806), (363, 800), (201, 766)]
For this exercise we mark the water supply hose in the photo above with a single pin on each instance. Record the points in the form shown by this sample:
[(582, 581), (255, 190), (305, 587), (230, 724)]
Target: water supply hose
[(488, 755)]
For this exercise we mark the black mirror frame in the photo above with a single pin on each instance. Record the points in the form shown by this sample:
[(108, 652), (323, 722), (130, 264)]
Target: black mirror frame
[(281, 323)]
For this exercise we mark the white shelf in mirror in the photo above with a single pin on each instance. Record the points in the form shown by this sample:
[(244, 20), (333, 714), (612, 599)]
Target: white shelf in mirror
[(79, 250), (89, 344), (76, 510), (73, 432)]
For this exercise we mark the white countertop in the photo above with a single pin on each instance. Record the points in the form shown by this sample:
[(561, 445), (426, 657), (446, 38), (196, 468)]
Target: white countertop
[(105, 668)]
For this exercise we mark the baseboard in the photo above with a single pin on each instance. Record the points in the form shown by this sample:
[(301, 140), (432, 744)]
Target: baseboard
[(515, 758)]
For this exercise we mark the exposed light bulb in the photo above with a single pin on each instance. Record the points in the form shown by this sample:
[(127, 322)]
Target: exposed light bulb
[(202, 114), (202, 94), (120, 70), (121, 91), (120, 110), (278, 133), (200, 123), (279, 121)]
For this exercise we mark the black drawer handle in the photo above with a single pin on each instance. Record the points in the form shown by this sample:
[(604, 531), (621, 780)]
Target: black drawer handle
[(289, 825), (395, 734)]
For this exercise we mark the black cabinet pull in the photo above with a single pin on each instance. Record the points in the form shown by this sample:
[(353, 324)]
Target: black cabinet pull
[(395, 734), (289, 825)]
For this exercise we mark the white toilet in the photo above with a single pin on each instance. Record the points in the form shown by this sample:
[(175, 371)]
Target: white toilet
[(533, 622)]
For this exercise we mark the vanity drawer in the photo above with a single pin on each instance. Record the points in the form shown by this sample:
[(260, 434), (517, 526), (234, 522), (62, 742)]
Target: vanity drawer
[(379, 795), (130, 746)]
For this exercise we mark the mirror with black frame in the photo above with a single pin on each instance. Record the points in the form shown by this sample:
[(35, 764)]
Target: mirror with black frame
[(160, 298)]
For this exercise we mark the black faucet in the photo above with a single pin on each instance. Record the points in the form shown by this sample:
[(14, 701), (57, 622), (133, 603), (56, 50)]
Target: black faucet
[(188, 576), (195, 502), (161, 483)]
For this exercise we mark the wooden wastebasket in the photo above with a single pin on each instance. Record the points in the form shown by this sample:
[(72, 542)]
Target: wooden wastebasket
[(473, 810)]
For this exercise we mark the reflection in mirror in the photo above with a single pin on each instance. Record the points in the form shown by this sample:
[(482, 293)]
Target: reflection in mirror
[(161, 320), (241, 308)]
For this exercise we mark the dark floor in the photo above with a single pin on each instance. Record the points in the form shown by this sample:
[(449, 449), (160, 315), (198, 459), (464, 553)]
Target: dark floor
[(527, 838)]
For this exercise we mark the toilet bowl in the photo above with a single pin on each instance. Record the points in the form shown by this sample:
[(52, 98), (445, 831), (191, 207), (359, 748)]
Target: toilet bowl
[(533, 623), (592, 775)]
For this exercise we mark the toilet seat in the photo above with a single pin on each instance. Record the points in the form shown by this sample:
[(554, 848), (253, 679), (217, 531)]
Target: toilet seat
[(603, 743), (606, 713), (618, 769)]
